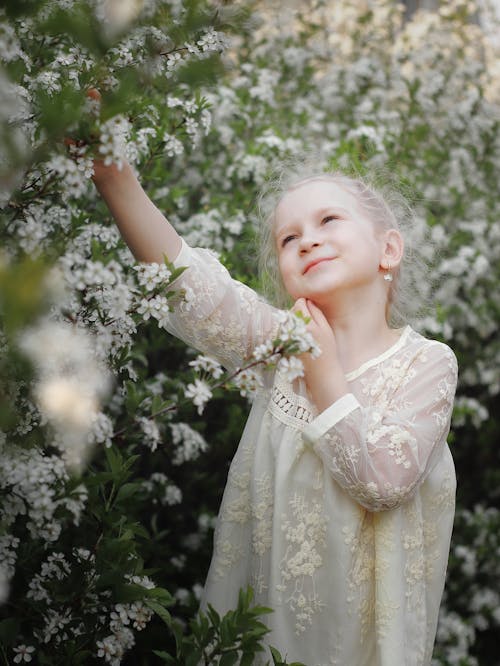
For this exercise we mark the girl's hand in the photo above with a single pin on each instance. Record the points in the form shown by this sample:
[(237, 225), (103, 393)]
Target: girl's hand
[(324, 376), (99, 169)]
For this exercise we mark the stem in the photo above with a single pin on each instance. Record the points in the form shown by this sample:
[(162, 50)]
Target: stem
[(222, 384), (177, 50), (156, 151), (169, 408), (4, 655), (173, 406), (110, 498)]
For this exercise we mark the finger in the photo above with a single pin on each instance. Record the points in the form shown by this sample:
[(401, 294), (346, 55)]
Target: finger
[(316, 313), (300, 305)]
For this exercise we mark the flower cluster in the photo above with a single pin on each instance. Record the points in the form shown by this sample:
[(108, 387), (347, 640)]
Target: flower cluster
[(113, 141), (152, 436), (188, 443), (70, 383), (208, 365), (33, 487), (162, 490), (122, 618)]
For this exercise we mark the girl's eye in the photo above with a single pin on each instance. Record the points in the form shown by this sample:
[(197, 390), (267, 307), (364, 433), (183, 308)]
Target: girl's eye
[(329, 218), (286, 240)]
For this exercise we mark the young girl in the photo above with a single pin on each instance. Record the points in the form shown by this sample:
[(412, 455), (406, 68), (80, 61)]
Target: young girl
[(339, 502)]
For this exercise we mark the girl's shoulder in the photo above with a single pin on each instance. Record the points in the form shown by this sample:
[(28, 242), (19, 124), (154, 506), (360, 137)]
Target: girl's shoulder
[(417, 341), (429, 350)]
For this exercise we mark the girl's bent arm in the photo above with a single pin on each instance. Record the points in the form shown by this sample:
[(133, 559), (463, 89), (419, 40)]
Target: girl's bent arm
[(143, 227), (381, 453)]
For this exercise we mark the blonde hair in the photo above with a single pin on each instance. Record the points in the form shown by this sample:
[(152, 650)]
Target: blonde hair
[(385, 205)]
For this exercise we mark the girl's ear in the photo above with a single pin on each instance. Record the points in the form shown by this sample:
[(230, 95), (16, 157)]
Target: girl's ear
[(392, 249)]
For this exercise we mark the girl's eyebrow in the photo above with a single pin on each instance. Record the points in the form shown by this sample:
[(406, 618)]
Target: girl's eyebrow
[(331, 209)]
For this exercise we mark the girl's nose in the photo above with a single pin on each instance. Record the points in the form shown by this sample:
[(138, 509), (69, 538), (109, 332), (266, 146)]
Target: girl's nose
[(307, 243)]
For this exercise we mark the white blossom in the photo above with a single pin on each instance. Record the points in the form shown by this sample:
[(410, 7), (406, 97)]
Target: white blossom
[(156, 307), (293, 329), (113, 140), (70, 383), (74, 173), (152, 275), (207, 364), (264, 351), (199, 392), (173, 495), (212, 40), (248, 381), (173, 146), (188, 443), (23, 653), (291, 368), (151, 432)]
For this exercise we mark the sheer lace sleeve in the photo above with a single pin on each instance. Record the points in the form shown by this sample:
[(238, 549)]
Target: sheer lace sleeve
[(218, 316), (381, 453)]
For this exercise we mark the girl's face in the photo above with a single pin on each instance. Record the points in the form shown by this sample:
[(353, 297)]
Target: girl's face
[(324, 241)]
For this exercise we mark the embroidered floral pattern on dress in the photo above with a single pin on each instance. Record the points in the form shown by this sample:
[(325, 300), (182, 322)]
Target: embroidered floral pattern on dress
[(415, 570), (361, 572), (262, 512), (445, 498), (305, 538), (359, 449), (226, 554), (219, 316)]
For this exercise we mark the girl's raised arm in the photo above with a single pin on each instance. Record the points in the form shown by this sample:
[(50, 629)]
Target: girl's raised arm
[(144, 228), (219, 316)]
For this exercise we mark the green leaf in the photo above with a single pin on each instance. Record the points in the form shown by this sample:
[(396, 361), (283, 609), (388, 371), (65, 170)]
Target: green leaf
[(260, 610), (178, 635), (126, 593), (194, 658), (160, 594), (98, 478), (82, 658), (115, 460), (176, 272), (277, 658), (245, 597), (22, 295), (160, 611), (247, 659), (9, 630), (229, 658), (127, 490), (167, 658), (213, 615)]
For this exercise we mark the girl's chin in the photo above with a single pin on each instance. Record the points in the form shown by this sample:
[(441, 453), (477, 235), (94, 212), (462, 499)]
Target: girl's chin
[(316, 297)]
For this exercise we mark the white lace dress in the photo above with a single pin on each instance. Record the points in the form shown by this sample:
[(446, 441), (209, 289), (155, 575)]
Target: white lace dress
[(341, 522)]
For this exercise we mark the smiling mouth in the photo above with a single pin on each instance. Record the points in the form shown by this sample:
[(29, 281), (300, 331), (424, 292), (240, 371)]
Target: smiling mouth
[(312, 264)]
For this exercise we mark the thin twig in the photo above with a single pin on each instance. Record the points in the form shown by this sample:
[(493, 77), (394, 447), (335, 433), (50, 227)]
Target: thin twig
[(222, 384)]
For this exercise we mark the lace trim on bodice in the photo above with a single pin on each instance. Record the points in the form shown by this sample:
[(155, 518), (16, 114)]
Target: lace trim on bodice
[(289, 407)]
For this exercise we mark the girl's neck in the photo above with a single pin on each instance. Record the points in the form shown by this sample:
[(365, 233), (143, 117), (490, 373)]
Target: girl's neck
[(361, 332), (356, 346)]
